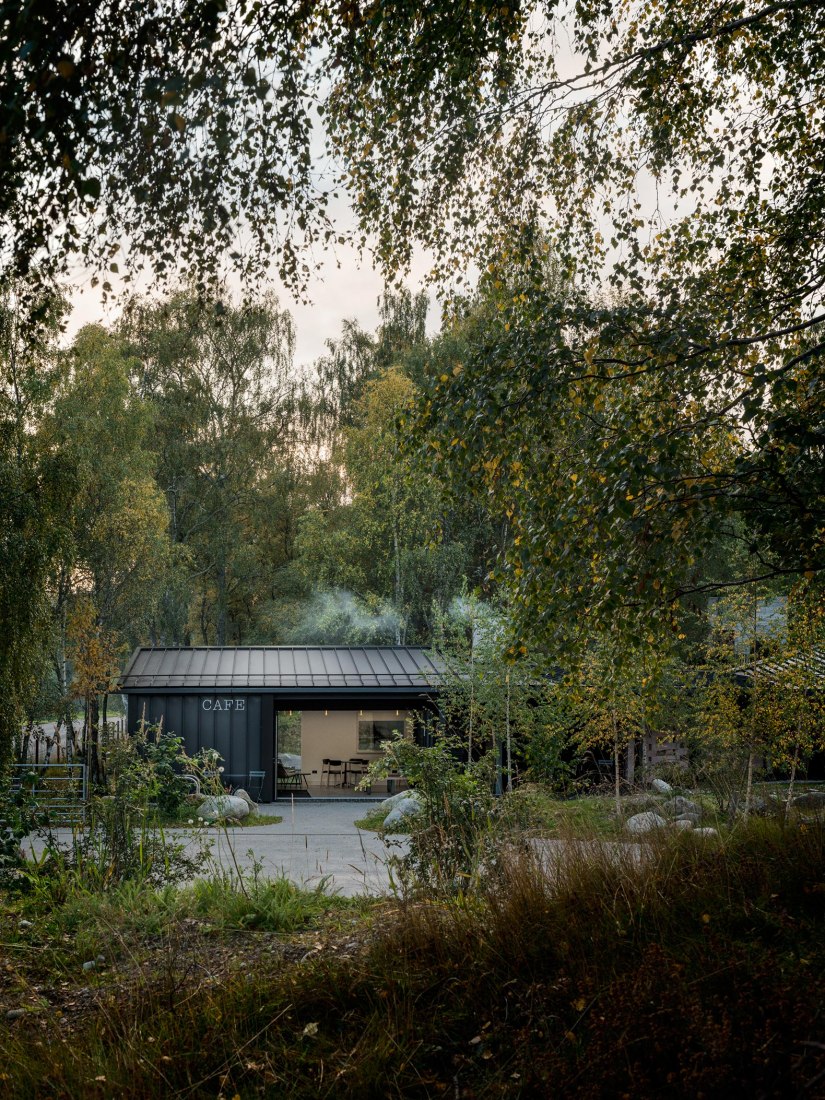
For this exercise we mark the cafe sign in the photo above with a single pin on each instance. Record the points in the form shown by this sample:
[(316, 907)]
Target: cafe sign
[(223, 704)]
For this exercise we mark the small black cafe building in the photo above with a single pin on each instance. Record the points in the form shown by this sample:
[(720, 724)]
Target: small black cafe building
[(293, 706)]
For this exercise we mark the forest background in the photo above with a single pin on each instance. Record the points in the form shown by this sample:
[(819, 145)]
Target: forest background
[(620, 418)]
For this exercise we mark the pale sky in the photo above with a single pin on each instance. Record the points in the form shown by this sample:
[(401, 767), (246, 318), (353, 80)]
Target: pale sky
[(349, 291)]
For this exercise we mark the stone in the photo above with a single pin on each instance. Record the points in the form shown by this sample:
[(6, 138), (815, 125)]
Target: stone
[(685, 806), (15, 1013), (692, 818), (682, 823), (241, 793), (660, 787), (394, 817), (402, 796), (810, 800), (408, 806), (223, 806), (90, 964), (644, 823), (25, 925), (707, 831)]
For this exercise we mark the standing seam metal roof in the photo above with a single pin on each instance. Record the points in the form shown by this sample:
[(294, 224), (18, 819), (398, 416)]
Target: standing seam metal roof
[(283, 667)]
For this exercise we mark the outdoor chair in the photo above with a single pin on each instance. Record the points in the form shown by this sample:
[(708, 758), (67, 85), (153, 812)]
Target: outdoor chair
[(255, 785), (288, 777)]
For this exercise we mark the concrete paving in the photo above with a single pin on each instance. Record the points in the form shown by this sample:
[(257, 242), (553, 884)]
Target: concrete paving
[(315, 842)]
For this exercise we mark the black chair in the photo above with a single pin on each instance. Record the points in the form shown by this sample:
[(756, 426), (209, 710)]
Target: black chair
[(289, 778), (333, 768), (356, 770)]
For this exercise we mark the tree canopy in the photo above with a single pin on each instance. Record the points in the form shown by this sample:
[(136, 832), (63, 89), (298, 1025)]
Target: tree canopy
[(189, 134)]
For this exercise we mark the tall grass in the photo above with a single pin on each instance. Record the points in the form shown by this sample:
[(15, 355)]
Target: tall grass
[(592, 970)]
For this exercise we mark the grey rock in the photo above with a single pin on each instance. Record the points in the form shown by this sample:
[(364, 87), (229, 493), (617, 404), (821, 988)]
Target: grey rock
[(241, 793), (685, 806), (679, 805), (391, 802), (25, 925), (645, 822), (681, 824), (90, 964), (693, 819), (15, 1013), (223, 806), (394, 817), (810, 800), (707, 831), (660, 787), (100, 960), (407, 807)]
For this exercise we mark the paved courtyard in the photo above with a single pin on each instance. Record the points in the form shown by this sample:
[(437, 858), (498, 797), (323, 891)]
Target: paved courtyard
[(316, 841)]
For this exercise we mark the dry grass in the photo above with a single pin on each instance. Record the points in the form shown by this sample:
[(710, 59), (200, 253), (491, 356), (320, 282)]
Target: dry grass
[(694, 971)]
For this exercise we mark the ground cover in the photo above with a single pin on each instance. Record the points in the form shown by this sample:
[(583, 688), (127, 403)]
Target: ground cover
[(533, 808), (189, 819), (698, 970)]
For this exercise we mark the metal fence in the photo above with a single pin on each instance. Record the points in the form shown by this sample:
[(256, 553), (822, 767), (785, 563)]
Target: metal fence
[(60, 790)]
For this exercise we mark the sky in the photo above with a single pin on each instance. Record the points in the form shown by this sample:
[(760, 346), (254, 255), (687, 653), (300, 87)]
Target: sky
[(350, 290)]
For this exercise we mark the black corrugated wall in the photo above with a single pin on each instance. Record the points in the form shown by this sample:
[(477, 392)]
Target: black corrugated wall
[(231, 724)]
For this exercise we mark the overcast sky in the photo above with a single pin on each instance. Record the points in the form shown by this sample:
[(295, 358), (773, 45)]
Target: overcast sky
[(348, 291)]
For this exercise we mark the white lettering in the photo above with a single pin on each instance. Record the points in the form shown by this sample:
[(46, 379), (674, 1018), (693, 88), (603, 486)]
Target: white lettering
[(227, 704)]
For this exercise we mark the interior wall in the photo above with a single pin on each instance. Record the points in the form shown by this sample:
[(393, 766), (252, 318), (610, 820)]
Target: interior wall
[(334, 734)]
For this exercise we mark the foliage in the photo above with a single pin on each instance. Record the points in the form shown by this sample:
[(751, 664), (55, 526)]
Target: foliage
[(36, 487), (147, 769), (523, 989), (447, 846), (624, 433), (19, 816), (199, 126), (216, 379), (762, 696)]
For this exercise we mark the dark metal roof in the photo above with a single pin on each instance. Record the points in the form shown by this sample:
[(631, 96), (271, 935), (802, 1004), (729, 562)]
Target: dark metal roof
[(805, 670), (283, 668)]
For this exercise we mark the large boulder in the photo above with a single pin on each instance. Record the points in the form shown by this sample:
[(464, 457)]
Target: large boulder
[(407, 807), (395, 817), (402, 796), (707, 831), (223, 806), (810, 800), (660, 787), (682, 824), (241, 793), (646, 822)]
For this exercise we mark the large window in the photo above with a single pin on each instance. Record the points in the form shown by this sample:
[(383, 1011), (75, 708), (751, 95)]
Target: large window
[(372, 732)]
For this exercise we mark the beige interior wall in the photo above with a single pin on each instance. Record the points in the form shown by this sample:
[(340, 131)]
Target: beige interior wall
[(335, 734)]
